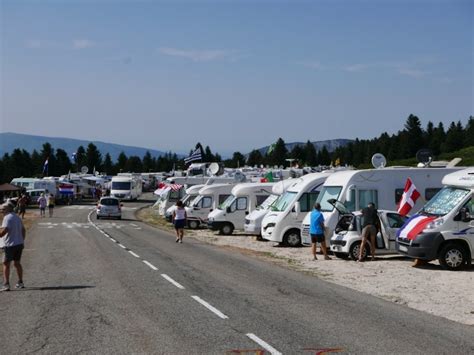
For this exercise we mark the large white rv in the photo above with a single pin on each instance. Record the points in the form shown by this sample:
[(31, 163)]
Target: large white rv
[(208, 199), (48, 185), (283, 223), (126, 187), (384, 187), (244, 199), (449, 234), (253, 222), (191, 193)]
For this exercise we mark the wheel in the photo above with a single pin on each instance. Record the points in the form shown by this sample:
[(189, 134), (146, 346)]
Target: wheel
[(341, 255), (98, 217), (292, 238), (227, 229), (354, 251), (119, 217), (452, 256), (193, 224)]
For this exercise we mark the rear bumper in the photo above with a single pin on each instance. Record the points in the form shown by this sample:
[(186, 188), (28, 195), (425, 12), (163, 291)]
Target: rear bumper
[(215, 225)]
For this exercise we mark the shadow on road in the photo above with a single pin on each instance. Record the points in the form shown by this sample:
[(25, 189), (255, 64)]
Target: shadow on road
[(54, 288)]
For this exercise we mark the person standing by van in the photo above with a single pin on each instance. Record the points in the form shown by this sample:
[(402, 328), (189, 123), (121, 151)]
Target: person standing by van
[(51, 203), (179, 220), (369, 229), (316, 230), (42, 205)]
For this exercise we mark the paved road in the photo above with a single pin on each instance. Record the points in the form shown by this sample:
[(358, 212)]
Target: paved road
[(116, 287)]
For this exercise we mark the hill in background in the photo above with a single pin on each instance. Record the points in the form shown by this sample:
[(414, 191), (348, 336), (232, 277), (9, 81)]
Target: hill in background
[(12, 141)]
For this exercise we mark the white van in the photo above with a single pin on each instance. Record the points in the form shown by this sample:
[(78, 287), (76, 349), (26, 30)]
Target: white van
[(449, 235), (283, 223), (48, 185), (208, 199), (253, 222), (244, 199), (384, 187), (191, 193), (126, 187)]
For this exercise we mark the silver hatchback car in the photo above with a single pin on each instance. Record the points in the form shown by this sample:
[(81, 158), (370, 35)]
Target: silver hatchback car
[(109, 207)]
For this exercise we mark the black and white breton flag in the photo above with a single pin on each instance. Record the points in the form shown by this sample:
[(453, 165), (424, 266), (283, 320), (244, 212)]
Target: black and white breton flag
[(196, 155)]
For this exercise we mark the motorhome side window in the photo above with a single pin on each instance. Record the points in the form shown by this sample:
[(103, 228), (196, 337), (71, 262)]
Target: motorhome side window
[(307, 201), (367, 196), (222, 198), (260, 199), (242, 203), (174, 195), (469, 206), (206, 202)]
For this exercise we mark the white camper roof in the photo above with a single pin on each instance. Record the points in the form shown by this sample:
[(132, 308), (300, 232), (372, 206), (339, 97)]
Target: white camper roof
[(252, 187), (210, 189), (302, 183), (281, 186), (462, 178), (194, 189)]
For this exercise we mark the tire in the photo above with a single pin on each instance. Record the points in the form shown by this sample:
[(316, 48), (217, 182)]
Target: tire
[(452, 256), (193, 224), (354, 251), (98, 217), (292, 238), (227, 229), (119, 217), (341, 256)]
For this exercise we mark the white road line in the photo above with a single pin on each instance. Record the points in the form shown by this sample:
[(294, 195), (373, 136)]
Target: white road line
[(172, 281), (135, 255), (122, 246), (209, 307), (260, 342), (150, 265)]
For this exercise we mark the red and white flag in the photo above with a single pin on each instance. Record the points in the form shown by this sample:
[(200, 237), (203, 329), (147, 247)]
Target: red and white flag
[(175, 187), (409, 197), (414, 226)]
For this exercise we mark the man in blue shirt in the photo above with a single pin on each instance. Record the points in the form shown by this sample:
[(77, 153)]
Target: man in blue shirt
[(316, 230)]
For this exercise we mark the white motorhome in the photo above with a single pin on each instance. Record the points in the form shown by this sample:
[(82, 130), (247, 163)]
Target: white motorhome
[(191, 193), (253, 222), (208, 199), (126, 187), (449, 235), (283, 223), (384, 187), (244, 199), (168, 196), (48, 185)]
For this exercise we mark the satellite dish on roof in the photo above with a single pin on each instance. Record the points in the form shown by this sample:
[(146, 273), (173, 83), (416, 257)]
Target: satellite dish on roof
[(84, 169), (239, 176), (424, 156), (214, 168), (378, 161)]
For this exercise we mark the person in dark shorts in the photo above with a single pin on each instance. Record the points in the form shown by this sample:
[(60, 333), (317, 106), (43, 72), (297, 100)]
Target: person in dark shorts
[(22, 202), (369, 229), (13, 234), (179, 220), (316, 230), (51, 203)]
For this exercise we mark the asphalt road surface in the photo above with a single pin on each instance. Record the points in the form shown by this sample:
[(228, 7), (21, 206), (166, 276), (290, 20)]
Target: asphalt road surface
[(122, 287)]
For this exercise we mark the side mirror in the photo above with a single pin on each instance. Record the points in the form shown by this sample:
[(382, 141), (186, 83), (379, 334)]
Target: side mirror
[(297, 208), (465, 215), (228, 209), (349, 193)]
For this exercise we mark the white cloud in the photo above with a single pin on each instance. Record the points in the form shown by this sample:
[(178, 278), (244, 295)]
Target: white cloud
[(38, 43), (199, 55), (82, 43), (413, 73), (312, 65), (356, 67)]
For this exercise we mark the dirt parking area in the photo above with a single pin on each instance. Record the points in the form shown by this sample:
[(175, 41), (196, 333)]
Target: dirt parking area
[(428, 288)]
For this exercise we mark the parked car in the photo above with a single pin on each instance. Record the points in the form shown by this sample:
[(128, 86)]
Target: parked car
[(109, 207), (347, 237)]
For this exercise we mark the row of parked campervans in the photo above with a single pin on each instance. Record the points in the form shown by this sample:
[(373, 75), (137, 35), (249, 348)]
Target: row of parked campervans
[(279, 211)]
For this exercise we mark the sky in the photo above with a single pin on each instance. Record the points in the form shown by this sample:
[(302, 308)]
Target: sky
[(232, 75)]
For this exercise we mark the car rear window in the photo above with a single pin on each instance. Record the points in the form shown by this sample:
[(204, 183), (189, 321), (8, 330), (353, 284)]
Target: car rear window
[(109, 202)]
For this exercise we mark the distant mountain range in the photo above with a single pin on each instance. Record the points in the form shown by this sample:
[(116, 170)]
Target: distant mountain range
[(12, 141)]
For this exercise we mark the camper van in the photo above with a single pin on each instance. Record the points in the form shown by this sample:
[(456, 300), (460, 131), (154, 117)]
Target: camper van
[(383, 186), (208, 199), (168, 196), (283, 223), (191, 193), (47, 185), (253, 222), (244, 199), (126, 187), (447, 225)]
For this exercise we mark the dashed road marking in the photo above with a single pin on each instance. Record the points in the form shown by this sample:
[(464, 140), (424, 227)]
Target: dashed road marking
[(150, 265), (209, 307), (178, 285), (135, 255), (262, 343)]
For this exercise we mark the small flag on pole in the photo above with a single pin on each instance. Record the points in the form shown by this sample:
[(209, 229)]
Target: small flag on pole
[(409, 197), (196, 155), (45, 166)]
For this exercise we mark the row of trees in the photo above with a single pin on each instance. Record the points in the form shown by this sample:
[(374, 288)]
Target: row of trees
[(402, 145)]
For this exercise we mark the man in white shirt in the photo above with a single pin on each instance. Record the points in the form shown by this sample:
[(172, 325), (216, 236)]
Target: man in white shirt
[(13, 234)]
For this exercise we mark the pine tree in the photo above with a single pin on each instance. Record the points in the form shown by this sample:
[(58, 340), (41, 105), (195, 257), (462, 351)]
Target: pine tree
[(121, 162), (63, 163), (255, 158), (108, 166), (469, 133), (310, 154), (93, 158), (147, 162)]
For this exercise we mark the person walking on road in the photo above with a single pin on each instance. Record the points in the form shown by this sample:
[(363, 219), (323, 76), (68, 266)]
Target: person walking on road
[(21, 204), (51, 203), (42, 205), (179, 220), (316, 230), (13, 234), (369, 229)]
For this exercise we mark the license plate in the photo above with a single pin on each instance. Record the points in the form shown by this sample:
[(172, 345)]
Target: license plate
[(402, 248)]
